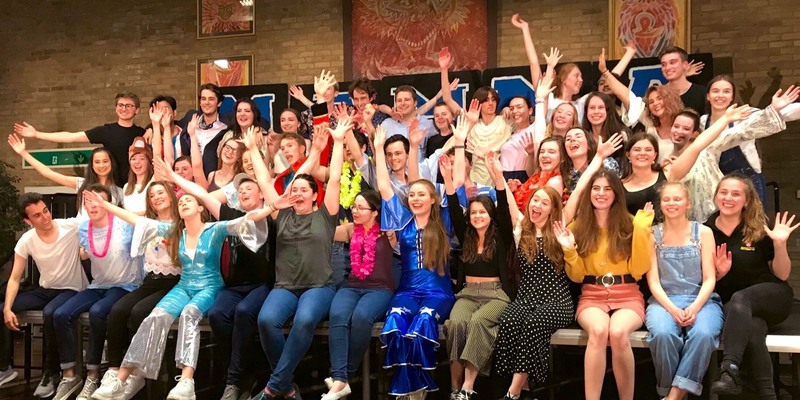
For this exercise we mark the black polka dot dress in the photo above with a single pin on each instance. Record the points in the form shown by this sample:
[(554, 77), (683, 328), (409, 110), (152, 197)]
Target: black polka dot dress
[(543, 306)]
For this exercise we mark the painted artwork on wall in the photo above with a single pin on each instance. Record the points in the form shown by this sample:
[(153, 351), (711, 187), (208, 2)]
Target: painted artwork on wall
[(403, 37), (222, 18), (652, 25), (228, 71)]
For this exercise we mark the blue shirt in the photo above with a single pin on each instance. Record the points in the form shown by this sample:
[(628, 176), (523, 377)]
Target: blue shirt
[(394, 127)]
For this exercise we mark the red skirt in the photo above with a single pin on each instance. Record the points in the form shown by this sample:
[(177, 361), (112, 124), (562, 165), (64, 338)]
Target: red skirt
[(614, 297)]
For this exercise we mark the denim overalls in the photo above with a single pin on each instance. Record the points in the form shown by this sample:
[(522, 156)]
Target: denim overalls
[(681, 354)]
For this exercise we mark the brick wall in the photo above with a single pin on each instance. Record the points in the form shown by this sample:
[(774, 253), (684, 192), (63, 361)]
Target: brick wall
[(62, 65)]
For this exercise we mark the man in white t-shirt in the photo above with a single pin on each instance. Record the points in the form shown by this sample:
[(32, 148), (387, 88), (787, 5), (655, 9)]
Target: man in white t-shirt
[(53, 244), (107, 240)]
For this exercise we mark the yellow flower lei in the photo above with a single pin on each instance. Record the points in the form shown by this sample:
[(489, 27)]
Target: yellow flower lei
[(349, 188)]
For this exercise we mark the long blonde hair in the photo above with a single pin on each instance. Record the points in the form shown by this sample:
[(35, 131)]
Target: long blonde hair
[(753, 217), (528, 245), (435, 243)]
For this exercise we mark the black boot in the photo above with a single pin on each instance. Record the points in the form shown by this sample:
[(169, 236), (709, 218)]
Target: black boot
[(729, 381)]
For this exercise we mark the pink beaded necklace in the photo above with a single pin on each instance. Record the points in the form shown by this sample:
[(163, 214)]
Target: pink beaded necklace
[(108, 237)]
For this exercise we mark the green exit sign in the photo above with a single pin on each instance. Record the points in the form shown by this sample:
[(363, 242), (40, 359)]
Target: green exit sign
[(61, 158)]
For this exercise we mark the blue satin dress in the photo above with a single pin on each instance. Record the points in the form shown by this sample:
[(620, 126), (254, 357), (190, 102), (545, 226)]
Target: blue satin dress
[(423, 300)]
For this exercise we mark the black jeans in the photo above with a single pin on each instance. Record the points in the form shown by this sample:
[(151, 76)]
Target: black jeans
[(47, 300), (134, 307), (748, 315)]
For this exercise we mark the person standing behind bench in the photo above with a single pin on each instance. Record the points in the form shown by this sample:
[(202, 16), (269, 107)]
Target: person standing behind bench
[(117, 137), (752, 264)]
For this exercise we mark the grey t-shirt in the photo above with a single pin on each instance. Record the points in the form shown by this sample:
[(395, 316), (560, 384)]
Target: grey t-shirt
[(304, 243)]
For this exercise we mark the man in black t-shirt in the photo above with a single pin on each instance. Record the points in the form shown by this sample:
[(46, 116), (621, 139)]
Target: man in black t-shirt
[(674, 63), (117, 137)]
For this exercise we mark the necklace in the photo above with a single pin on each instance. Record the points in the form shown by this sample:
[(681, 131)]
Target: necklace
[(349, 188), (108, 237)]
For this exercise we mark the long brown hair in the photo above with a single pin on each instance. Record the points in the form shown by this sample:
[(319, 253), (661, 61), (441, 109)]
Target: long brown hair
[(619, 226), (753, 217), (177, 231), (672, 104), (527, 241), (469, 253), (169, 187), (563, 166), (435, 244), (148, 175)]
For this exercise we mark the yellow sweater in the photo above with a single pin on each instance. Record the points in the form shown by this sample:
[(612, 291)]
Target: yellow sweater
[(597, 263)]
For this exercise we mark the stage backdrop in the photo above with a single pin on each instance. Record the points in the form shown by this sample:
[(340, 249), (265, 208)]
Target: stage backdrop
[(509, 82)]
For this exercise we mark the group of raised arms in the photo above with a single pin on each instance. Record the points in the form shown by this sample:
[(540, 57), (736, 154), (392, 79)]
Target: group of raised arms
[(479, 219)]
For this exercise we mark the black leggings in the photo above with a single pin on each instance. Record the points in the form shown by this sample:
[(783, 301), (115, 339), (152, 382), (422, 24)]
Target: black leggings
[(134, 307), (748, 315)]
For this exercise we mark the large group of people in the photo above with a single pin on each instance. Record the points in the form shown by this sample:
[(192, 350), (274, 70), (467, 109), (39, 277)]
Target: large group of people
[(477, 220)]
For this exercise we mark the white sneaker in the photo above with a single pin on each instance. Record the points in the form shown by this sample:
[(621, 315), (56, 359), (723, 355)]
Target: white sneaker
[(111, 373), (7, 376), (184, 390), (133, 385), (112, 389)]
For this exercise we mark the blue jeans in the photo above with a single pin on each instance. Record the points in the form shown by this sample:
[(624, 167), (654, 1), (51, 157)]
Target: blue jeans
[(99, 303), (309, 307), (681, 354), (233, 320), (353, 312), (47, 300)]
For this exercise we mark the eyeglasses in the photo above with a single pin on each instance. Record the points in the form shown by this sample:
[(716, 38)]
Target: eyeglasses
[(359, 209), (229, 149), (126, 106)]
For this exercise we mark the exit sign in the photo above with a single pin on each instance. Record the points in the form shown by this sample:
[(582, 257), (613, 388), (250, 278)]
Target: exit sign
[(61, 158)]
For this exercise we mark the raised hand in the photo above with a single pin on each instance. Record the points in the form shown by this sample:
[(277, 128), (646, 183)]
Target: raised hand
[(782, 99), (545, 87), (93, 199), (161, 168), (249, 138), (734, 113), (493, 163), (528, 143), (296, 92), (415, 135), (156, 115), (513, 184), (601, 61), (368, 112), (564, 236), (396, 115), (454, 84), (446, 168), (474, 111), (25, 130), (648, 207), (192, 125), (695, 68), (552, 59), (614, 143), (723, 259), (518, 22), (344, 125), (461, 130), (320, 139), (380, 138), (286, 200), (783, 228), (444, 58), (17, 144), (339, 110), (321, 84), (630, 47)]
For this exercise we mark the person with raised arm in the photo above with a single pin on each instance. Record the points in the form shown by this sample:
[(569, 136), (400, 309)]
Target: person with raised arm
[(608, 253), (115, 273), (117, 137), (443, 118), (198, 250), (581, 148), (601, 120), (405, 102), (514, 153), (162, 272), (551, 169), (365, 297), (530, 49), (684, 315), (54, 246), (568, 82), (700, 170), (102, 169), (674, 67), (622, 65), (753, 265), (744, 158), (250, 275), (484, 282), (164, 133), (424, 296), (209, 128), (303, 276), (656, 111), (247, 115)]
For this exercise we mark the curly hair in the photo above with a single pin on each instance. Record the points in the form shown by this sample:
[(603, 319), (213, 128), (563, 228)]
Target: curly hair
[(673, 104)]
